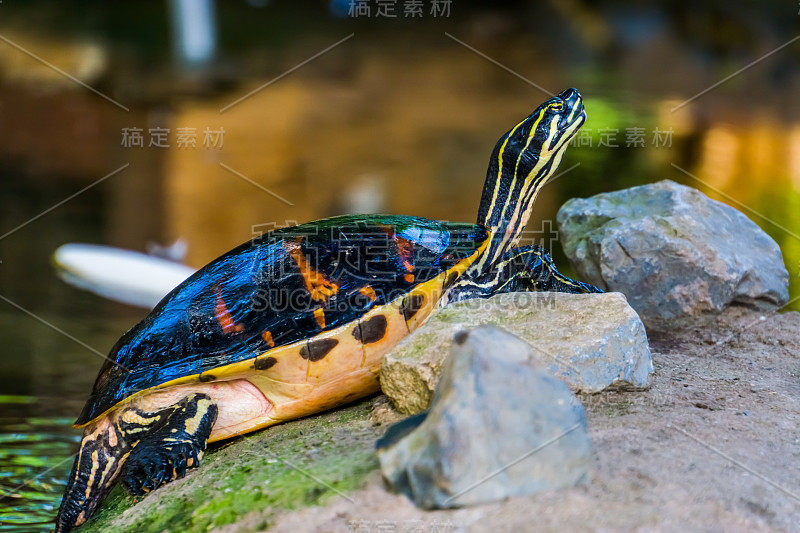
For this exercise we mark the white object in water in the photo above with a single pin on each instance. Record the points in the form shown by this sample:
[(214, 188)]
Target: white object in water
[(121, 275), (195, 29)]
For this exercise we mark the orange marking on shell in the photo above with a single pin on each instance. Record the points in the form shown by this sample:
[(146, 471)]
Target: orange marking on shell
[(224, 317), (405, 247), (267, 336), (409, 278), (320, 287), (319, 315), (369, 292)]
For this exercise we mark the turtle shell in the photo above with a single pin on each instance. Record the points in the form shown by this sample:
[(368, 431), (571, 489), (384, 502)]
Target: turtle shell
[(285, 286)]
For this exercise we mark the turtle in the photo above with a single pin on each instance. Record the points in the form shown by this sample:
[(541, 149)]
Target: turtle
[(297, 320)]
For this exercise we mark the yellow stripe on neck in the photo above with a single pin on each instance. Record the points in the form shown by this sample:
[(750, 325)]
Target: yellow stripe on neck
[(507, 240)]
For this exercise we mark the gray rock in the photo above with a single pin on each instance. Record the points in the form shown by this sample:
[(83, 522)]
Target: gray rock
[(590, 341), (498, 427), (676, 254)]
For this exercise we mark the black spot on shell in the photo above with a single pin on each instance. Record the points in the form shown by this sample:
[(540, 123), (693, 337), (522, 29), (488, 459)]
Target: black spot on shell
[(317, 350), (461, 337), (411, 305), (265, 363), (372, 330), (205, 378), (451, 278)]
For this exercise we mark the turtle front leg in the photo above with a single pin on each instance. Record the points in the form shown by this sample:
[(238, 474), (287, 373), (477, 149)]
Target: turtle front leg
[(172, 447), (111, 445), (524, 269), (530, 268)]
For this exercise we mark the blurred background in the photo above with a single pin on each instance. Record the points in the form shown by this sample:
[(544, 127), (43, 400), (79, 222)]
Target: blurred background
[(135, 125)]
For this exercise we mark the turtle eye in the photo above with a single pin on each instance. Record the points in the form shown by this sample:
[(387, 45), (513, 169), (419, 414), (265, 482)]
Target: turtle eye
[(557, 106)]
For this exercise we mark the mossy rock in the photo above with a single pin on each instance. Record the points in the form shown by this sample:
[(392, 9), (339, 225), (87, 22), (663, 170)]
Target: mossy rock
[(290, 466)]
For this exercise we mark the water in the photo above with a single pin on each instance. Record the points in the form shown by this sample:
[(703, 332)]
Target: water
[(45, 371), (35, 458), (51, 375)]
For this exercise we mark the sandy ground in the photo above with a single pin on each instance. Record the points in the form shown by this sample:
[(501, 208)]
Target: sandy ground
[(713, 445)]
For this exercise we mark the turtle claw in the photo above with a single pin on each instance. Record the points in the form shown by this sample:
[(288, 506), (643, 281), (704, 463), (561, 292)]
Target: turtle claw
[(149, 467)]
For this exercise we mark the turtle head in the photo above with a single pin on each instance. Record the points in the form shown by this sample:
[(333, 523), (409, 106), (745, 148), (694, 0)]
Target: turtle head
[(522, 161), (538, 142)]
